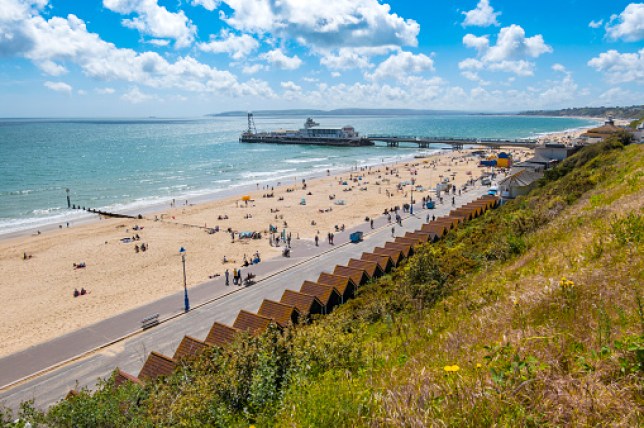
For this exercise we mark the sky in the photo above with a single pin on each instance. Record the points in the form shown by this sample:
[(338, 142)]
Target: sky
[(185, 58)]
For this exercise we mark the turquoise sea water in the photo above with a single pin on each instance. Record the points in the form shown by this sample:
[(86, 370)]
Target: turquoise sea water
[(133, 164)]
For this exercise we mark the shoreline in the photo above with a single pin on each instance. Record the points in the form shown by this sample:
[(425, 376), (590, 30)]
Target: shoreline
[(119, 279), (207, 196)]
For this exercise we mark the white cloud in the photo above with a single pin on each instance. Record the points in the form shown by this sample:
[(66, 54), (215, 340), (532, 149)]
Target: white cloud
[(59, 87), (158, 42), (81, 92), (483, 16), (105, 91), (50, 42), (135, 96), (155, 20), (335, 74), (596, 24), (474, 77), (278, 58), (237, 47), (252, 69), (399, 65), (620, 96), (559, 67), (345, 59), (629, 25), (52, 68), (290, 86), (619, 67), (508, 54), (206, 4), (323, 24)]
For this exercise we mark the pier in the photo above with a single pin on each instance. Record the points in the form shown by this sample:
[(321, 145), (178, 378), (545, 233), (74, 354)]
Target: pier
[(456, 143)]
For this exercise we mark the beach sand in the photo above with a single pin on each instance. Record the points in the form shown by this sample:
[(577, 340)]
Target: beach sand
[(37, 293)]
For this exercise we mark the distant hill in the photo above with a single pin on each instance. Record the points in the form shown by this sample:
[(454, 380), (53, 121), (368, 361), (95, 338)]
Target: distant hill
[(338, 112), (632, 112)]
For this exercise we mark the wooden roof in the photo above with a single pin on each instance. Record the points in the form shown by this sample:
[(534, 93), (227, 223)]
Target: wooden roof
[(437, 228), (383, 261), (305, 303), (189, 347), (221, 335), (395, 255), (157, 365), (328, 295), (251, 323), (344, 284), (359, 276), (465, 213), (372, 269), (411, 241), (451, 223), (281, 313), (405, 248), (120, 377), (422, 237)]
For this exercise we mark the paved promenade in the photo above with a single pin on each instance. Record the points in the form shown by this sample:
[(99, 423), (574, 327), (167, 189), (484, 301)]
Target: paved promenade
[(46, 372)]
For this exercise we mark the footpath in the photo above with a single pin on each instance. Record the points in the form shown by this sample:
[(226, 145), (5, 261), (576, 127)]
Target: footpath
[(46, 372)]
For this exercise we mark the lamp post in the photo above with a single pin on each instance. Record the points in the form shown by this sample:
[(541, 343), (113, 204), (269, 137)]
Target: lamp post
[(411, 205), (186, 302)]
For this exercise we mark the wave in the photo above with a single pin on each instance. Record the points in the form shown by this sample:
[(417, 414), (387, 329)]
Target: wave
[(308, 160)]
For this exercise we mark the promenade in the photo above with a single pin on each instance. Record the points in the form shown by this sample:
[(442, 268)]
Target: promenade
[(46, 372)]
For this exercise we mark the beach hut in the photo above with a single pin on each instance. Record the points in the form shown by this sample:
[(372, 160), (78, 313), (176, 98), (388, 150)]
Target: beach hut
[(385, 262), (284, 315), (372, 269), (438, 229), (157, 365), (221, 335), (306, 304), (189, 347), (396, 255), (406, 249), (411, 241), (121, 377), (359, 276), (422, 237), (251, 323), (504, 160), (344, 284), (328, 295)]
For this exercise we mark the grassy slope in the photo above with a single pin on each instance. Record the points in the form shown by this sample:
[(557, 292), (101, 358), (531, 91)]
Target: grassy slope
[(489, 299)]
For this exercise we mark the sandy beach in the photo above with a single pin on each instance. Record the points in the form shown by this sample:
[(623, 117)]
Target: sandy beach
[(38, 292)]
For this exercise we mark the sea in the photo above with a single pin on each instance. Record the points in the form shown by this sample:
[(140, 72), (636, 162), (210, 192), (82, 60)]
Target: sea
[(141, 165)]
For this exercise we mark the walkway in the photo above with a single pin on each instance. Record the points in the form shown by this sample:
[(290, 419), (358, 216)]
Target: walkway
[(46, 372)]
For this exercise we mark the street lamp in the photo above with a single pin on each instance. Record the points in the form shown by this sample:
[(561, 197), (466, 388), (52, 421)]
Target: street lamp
[(411, 206), (186, 302)]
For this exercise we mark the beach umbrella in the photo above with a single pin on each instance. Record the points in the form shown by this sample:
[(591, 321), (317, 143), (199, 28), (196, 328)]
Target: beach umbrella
[(246, 198)]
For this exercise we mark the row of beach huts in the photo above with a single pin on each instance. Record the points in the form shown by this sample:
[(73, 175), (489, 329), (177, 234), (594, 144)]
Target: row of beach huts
[(320, 297)]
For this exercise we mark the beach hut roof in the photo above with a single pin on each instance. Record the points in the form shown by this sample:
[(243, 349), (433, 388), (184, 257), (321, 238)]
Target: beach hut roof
[(251, 323), (221, 334), (281, 313), (157, 365), (305, 303), (120, 377), (384, 261), (359, 276), (344, 284), (326, 293), (405, 248), (372, 269), (189, 347), (395, 254)]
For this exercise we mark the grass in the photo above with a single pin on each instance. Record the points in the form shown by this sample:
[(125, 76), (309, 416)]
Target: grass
[(532, 315)]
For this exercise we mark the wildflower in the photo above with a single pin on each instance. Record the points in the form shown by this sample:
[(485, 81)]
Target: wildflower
[(453, 368), (479, 365)]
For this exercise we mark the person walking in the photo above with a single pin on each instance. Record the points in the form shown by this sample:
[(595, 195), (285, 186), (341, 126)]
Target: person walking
[(235, 276), (371, 223), (393, 231), (317, 240), (239, 277), (227, 274)]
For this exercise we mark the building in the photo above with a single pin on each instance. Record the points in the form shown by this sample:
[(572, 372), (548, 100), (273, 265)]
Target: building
[(597, 135), (519, 183), (638, 135)]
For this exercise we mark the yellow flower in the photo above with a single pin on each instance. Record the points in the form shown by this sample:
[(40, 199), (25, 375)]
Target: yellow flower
[(478, 365), (453, 368)]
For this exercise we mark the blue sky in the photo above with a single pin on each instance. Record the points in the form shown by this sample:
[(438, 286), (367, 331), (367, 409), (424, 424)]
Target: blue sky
[(193, 57)]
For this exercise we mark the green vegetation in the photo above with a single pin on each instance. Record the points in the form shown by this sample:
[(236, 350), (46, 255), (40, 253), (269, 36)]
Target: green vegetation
[(632, 112), (531, 315)]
